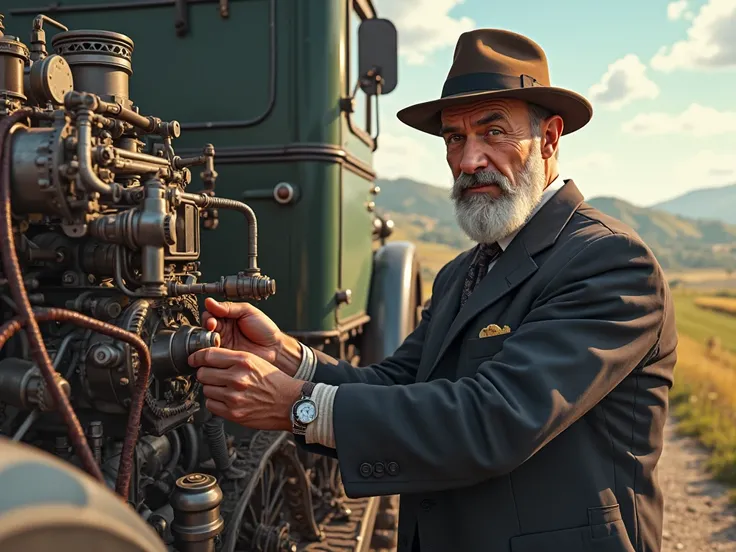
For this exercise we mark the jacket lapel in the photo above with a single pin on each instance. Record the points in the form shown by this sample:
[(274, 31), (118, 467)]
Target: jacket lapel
[(514, 266), (446, 308)]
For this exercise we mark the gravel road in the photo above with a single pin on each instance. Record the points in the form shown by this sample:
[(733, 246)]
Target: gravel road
[(697, 517)]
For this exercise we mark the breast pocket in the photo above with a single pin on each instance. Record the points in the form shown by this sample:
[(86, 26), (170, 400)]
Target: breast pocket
[(485, 347)]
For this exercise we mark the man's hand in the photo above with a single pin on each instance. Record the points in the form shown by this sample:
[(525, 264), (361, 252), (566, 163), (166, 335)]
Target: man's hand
[(243, 327), (246, 389)]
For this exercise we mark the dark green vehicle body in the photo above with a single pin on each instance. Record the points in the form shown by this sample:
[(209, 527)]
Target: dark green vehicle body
[(263, 81)]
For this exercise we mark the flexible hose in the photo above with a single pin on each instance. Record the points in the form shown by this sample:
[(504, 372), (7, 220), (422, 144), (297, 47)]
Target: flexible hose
[(214, 430), (175, 442), (192, 447), (11, 267)]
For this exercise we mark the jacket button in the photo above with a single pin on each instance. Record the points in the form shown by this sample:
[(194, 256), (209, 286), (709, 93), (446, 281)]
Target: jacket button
[(379, 468), (393, 468), (366, 470), (426, 504)]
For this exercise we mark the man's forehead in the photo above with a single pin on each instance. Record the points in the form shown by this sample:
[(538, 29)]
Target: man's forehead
[(506, 106), (481, 112)]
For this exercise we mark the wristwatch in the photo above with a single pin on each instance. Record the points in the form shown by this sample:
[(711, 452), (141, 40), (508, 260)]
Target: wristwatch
[(304, 410)]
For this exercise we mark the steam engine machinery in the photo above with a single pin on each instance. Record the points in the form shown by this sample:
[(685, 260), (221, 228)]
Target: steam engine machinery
[(100, 237)]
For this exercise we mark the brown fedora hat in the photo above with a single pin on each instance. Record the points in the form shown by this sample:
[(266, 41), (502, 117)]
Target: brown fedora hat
[(493, 63)]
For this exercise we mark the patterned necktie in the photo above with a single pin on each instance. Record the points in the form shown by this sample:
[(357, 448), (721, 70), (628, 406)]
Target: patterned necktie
[(484, 256)]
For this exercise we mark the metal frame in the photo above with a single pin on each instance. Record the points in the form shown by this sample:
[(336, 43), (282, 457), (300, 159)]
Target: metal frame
[(106, 6), (300, 151), (365, 10)]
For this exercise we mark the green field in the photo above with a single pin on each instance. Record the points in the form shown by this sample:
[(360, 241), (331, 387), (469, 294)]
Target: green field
[(704, 394), (701, 323)]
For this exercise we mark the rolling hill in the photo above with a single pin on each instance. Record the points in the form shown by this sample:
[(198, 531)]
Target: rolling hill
[(708, 203), (424, 213)]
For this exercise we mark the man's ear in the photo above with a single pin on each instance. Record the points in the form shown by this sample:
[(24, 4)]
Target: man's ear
[(551, 132)]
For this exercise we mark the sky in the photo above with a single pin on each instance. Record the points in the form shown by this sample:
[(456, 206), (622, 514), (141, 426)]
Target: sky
[(661, 77)]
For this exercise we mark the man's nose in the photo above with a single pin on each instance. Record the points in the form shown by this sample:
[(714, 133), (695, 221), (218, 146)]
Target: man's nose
[(474, 158)]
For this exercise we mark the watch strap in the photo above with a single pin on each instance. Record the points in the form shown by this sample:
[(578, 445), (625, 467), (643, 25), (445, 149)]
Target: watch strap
[(307, 389)]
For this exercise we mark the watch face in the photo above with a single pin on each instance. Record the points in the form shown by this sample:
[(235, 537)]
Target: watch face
[(306, 412)]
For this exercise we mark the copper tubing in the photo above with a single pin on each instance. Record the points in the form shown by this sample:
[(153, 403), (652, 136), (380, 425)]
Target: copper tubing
[(9, 329), (122, 485)]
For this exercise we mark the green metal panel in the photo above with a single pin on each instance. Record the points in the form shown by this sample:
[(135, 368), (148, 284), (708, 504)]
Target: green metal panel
[(355, 265), (216, 80)]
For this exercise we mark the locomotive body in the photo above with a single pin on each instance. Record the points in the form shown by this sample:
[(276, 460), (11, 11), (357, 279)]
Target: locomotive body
[(155, 152)]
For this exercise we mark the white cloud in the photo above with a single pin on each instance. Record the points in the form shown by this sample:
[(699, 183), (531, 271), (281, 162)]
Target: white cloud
[(417, 157), (678, 10), (624, 82), (711, 169), (424, 26), (697, 120), (709, 43)]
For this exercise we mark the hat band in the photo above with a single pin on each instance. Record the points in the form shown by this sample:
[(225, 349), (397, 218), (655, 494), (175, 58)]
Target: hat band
[(481, 82)]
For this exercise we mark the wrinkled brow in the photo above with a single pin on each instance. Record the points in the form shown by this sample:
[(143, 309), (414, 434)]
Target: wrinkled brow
[(484, 120)]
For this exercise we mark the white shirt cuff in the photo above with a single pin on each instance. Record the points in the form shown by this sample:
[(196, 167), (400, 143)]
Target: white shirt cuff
[(321, 430), (308, 364)]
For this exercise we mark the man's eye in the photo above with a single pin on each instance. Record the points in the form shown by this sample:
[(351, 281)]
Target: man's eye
[(495, 132)]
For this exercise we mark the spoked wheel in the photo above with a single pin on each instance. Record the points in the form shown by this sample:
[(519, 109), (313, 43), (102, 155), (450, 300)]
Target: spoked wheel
[(328, 492), (263, 526), (269, 510), (282, 506)]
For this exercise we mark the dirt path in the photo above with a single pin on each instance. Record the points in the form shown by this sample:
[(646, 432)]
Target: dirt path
[(697, 517)]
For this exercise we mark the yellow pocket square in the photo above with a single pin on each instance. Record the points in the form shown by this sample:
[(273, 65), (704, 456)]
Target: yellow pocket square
[(494, 329)]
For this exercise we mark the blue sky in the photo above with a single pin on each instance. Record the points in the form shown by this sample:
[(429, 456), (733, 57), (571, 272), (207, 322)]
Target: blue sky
[(661, 76)]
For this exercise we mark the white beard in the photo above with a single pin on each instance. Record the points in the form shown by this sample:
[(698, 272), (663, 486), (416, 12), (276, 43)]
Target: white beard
[(486, 219)]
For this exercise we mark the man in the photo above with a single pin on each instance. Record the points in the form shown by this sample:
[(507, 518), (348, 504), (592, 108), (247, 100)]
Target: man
[(526, 411)]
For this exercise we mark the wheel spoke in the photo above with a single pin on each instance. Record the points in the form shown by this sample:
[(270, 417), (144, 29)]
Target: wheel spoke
[(273, 507)]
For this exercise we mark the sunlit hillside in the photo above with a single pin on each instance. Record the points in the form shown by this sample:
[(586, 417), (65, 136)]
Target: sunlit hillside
[(680, 243)]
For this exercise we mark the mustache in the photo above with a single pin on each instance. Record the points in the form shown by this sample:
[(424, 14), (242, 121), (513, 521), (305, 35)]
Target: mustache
[(483, 178)]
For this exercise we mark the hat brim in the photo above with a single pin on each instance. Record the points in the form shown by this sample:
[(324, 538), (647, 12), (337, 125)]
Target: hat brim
[(574, 109)]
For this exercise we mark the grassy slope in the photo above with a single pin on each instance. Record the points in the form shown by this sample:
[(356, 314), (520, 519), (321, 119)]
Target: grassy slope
[(699, 323), (704, 394)]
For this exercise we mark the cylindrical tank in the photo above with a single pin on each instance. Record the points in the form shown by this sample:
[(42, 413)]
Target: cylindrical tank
[(101, 62), (197, 520), (13, 57)]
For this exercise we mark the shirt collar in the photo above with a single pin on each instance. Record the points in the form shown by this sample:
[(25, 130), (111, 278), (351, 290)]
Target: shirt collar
[(549, 191)]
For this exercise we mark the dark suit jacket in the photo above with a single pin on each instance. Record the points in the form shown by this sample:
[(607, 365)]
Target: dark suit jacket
[(542, 439)]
